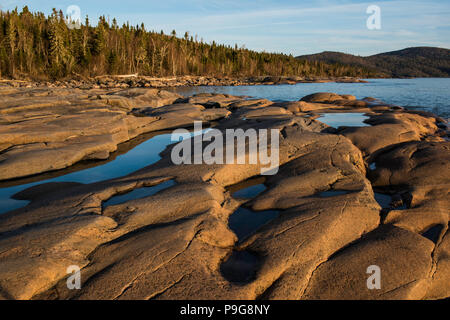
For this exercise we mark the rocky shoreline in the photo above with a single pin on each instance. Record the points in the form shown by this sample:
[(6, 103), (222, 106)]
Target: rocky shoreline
[(179, 243), (136, 81)]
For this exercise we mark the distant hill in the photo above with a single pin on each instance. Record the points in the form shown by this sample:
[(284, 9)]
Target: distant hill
[(409, 62)]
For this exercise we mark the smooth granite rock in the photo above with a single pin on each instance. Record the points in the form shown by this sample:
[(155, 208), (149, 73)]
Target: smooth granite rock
[(178, 243)]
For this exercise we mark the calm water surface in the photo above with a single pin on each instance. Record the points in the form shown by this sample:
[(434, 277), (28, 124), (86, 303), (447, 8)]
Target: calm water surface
[(337, 120), (141, 156), (429, 94)]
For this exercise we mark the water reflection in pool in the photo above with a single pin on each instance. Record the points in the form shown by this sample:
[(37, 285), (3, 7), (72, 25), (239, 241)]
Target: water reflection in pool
[(138, 193), (332, 193), (249, 188), (244, 222), (240, 267), (351, 119), (384, 200), (142, 155), (249, 192)]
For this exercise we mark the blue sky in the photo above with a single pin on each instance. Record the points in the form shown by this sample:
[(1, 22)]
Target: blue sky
[(293, 27)]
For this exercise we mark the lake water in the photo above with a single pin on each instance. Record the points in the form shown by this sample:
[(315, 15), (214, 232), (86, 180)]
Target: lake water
[(429, 94)]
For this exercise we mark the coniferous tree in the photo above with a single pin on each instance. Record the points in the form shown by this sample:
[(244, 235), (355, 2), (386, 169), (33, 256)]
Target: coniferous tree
[(36, 46)]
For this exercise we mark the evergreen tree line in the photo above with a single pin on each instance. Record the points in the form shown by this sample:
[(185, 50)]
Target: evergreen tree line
[(36, 46)]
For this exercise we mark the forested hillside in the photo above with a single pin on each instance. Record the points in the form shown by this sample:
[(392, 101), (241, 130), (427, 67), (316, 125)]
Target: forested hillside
[(409, 62), (43, 47)]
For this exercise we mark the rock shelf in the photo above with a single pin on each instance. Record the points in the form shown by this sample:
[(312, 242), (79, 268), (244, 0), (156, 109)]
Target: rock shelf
[(177, 244)]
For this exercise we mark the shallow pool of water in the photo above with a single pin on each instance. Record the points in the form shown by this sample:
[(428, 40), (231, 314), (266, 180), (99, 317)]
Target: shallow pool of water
[(240, 267), (383, 200), (333, 193), (249, 192), (433, 232), (138, 193), (249, 188), (336, 120), (244, 222), (142, 155)]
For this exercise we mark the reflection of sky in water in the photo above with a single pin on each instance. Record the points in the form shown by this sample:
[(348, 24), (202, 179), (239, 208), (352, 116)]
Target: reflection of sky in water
[(249, 192), (327, 194), (240, 267), (139, 193), (383, 200), (344, 119), (244, 221), (143, 155)]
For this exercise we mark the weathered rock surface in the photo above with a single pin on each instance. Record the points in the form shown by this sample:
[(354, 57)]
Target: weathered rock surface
[(327, 97), (414, 164), (50, 131), (174, 244), (312, 227), (404, 259), (441, 272), (335, 99), (420, 172), (388, 129)]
